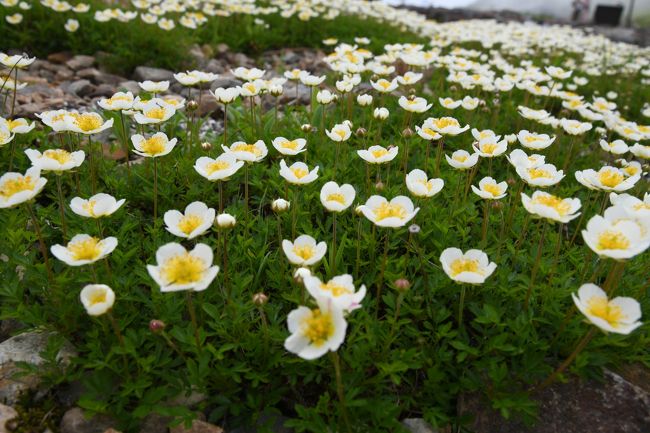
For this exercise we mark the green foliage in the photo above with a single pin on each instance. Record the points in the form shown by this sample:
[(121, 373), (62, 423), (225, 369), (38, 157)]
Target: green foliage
[(415, 363)]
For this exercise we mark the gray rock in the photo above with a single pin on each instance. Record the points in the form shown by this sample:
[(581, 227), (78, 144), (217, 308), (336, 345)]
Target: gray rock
[(266, 423), (129, 86), (24, 348), (80, 62), (60, 57), (7, 413), (42, 89), (190, 400), (241, 59), (224, 82), (143, 73), (222, 48), (155, 423), (105, 90), (197, 426), (417, 425), (80, 88), (214, 66), (75, 421), (290, 57)]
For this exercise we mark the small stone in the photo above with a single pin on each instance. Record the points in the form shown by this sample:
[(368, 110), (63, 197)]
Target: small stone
[(155, 423), (208, 104), (129, 86), (417, 425), (105, 90), (80, 62), (80, 88), (224, 82), (59, 58), (222, 48), (197, 426), (75, 421), (143, 73), (7, 413)]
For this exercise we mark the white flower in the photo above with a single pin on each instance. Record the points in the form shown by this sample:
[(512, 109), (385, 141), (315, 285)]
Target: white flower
[(19, 125), (470, 103), (557, 72), (16, 188), (534, 141), (154, 86), (541, 176), (383, 85), (620, 315), (618, 240), (192, 78), (616, 147), (340, 132), (339, 290), (607, 179), (280, 205), (531, 114), (304, 251), (414, 105), (380, 113), (446, 125), (450, 103), (337, 198), (195, 221), (71, 25), (178, 269), (640, 151), (378, 154), (311, 80), (154, 146), (154, 111), (221, 168), (575, 127), (226, 95), (427, 133), (119, 101), (87, 123), (248, 74), (97, 206), (247, 152), (409, 78), (55, 159), (16, 61), (551, 207), (396, 213), (97, 299), (472, 267), (325, 97), (420, 185), (84, 249), (314, 332), (489, 147), (484, 135), (489, 189), (226, 221), (298, 173), (365, 100), (289, 147), (632, 205), (519, 158), (462, 160)]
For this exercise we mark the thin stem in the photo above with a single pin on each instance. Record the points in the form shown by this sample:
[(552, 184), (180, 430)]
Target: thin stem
[(125, 146), (225, 124), (155, 189), (461, 305), (93, 168), (220, 196), (441, 145), (540, 247), (64, 227), (195, 326), (339, 390), (294, 212), (486, 217), (13, 101), (246, 188), (224, 233), (357, 264), (41, 242), (383, 270), (333, 249), (579, 347)]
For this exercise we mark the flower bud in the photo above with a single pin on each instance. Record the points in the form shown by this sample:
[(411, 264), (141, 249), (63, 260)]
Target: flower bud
[(306, 127), (402, 284), (496, 204), (414, 228), (379, 185), (357, 210), (260, 299), (156, 325), (407, 133), (226, 221), (276, 90), (511, 181), (280, 205), (361, 132), (206, 145), (192, 106), (300, 274)]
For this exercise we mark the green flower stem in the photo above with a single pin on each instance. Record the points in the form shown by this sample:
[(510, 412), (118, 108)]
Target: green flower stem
[(41, 242), (380, 282), (486, 217), (224, 264), (64, 227), (567, 362), (358, 261), (333, 249), (125, 145), (93, 167), (461, 305), (441, 145), (540, 248), (195, 326), (225, 123), (339, 389), (155, 189)]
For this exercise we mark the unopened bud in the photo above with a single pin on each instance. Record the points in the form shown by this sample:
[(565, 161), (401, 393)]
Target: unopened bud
[(379, 185), (361, 132), (206, 145), (357, 210), (402, 284), (260, 299), (306, 127), (414, 228), (192, 106), (496, 204), (156, 325), (511, 181), (280, 205), (226, 221), (300, 274), (407, 133)]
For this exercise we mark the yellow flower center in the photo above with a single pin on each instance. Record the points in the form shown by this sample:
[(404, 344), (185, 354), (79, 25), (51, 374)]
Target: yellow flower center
[(460, 158), (532, 139), (642, 206), (59, 155), (250, 148), (489, 148), (89, 207), (156, 113), (429, 131), (299, 172), (445, 122), (561, 206), (337, 197), (153, 146), (536, 173), (335, 289), (610, 178), (340, 132), (631, 170), (492, 188), (384, 84), (14, 186), (305, 252), (575, 103), (318, 327), (293, 145), (88, 121), (189, 223), (15, 123), (379, 153), (461, 265), (600, 307), (183, 269), (97, 297), (612, 240), (216, 166), (388, 210), (87, 249)]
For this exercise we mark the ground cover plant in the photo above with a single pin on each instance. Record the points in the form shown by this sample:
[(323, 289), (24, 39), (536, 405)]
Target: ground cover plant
[(465, 216)]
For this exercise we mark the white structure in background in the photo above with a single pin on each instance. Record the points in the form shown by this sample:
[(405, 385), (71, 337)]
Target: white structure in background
[(558, 8)]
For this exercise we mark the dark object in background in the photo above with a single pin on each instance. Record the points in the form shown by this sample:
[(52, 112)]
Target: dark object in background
[(608, 15)]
